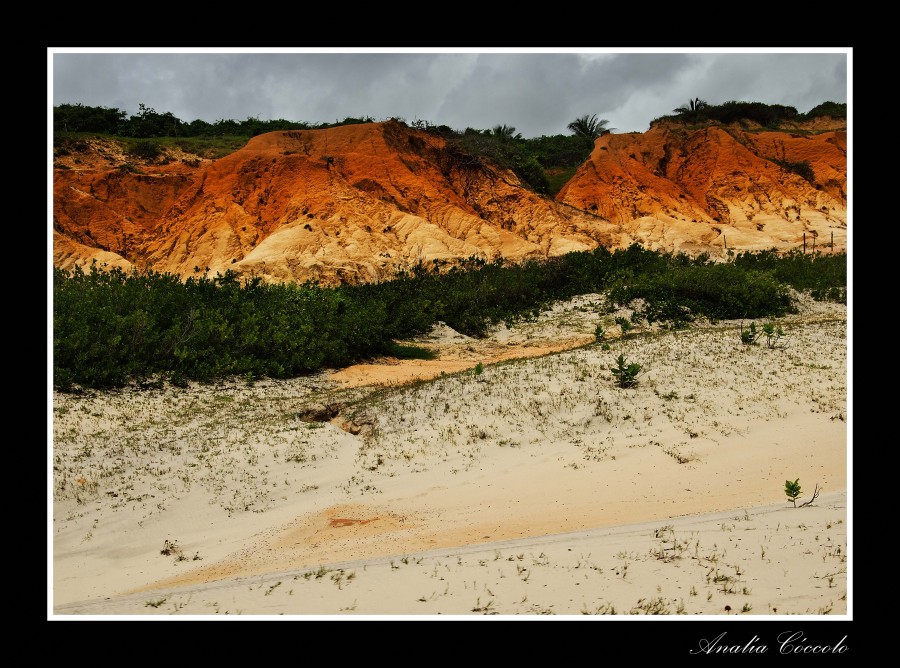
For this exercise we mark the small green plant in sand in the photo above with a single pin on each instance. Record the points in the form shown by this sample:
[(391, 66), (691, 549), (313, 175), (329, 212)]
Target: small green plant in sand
[(599, 332), (773, 333), (749, 335), (625, 374), (792, 490), (479, 369)]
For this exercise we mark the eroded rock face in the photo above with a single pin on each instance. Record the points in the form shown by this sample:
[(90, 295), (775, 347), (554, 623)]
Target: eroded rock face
[(678, 189), (353, 203), (358, 202)]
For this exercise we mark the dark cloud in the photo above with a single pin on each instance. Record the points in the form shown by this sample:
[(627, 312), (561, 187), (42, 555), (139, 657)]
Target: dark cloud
[(538, 93)]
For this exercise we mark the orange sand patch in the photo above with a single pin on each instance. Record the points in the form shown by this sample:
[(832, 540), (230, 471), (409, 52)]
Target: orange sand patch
[(391, 371), (344, 522), (342, 531)]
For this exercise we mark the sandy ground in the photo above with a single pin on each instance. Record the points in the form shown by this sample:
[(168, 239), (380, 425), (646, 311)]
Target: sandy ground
[(536, 487)]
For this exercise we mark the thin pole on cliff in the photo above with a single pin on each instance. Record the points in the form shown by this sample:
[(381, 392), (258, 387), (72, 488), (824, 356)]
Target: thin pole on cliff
[(804, 243)]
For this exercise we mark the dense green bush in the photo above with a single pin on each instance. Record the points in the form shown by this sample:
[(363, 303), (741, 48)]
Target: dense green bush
[(734, 112), (112, 327), (144, 148), (814, 272), (150, 123), (769, 115), (716, 291), (832, 109), (528, 158), (508, 151)]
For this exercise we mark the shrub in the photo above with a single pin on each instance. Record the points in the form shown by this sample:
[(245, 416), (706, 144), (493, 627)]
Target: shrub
[(679, 292), (833, 109), (736, 111), (749, 336), (625, 374), (815, 272), (772, 333), (148, 150), (113, 327)]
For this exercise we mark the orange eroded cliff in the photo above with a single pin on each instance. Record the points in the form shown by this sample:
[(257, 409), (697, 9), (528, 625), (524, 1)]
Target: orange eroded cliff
[(350, 203), (358, 202), (674, 188)]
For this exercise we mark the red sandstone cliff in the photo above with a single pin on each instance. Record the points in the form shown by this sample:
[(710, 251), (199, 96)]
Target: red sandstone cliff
[(357, 202)]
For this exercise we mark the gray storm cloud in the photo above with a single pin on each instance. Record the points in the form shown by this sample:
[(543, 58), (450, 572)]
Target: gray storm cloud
[(538, 93)]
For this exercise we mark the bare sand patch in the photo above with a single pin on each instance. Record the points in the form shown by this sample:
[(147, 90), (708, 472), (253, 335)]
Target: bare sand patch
[(773, 560)]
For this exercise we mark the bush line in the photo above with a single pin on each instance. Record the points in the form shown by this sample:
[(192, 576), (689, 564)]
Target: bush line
[(114, 327)]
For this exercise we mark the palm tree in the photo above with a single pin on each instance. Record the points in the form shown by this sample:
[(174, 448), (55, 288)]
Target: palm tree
[(589, 126), (692, 107), (504, 132)]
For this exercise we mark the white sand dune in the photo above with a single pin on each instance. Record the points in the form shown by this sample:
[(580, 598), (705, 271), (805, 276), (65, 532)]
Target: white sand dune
[(535, 487)]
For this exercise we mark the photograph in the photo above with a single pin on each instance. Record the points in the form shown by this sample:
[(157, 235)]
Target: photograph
[(453, 334)]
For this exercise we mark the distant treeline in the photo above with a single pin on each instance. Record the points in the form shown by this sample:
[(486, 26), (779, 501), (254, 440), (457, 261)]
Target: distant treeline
[(150, 123), (769, 115), (113, 327)]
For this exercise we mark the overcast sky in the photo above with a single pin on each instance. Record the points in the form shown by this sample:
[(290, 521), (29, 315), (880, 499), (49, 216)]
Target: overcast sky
[(538, 93)]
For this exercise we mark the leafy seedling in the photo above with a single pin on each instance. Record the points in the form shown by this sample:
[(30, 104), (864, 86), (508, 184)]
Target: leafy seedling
[(792, 490), (750, 335), (625, 374), (773, 333)]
